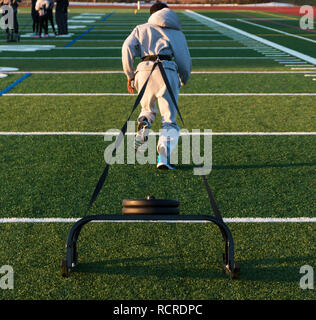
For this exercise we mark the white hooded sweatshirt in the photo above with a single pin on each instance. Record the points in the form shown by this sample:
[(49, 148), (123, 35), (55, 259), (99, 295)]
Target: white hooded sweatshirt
[(161, 35)]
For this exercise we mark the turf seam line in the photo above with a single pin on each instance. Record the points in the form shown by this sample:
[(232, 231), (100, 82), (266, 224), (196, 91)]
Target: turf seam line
[(15, 83)]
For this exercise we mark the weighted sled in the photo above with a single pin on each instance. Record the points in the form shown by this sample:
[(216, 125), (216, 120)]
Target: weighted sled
[(150, 205)]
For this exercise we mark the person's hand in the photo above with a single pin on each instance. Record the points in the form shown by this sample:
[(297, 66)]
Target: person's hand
[(130, 85)]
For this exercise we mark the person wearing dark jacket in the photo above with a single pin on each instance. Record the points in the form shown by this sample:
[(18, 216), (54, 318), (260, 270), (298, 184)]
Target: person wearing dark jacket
[(42, 7), (62, 16), (35, 18), (12, 31), (50, 17)]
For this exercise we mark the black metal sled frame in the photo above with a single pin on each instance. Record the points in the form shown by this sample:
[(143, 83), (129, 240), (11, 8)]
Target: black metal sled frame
[(229, 266)]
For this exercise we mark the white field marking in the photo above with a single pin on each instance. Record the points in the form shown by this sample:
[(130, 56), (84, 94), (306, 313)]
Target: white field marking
[(193, 72), (81, 21), (73, 27), (288, 61), (83, 17), (114, 133), (309, 75), (181, 94), (292, 65), (312, 68), (26, 48), (227, 220), (204, 20), (3, 75), (52, 35), (297, 62), (9, 69), (276, 30), (92, 14)]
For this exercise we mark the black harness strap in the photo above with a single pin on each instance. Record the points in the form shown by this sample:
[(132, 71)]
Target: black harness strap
[(124, 129), (118, 141)]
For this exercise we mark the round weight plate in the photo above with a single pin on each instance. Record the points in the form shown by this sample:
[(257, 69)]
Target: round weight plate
[(141, 203), (150, 210)]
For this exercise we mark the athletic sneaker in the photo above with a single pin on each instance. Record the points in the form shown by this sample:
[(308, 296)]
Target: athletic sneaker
[(163, 163), (142, 133)]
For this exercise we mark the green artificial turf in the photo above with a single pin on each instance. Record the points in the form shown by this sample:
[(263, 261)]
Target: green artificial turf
[(252, 176), (158, 261), (218, 113)]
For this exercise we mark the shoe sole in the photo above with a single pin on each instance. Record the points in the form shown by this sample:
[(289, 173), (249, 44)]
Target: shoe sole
[(164, 167)]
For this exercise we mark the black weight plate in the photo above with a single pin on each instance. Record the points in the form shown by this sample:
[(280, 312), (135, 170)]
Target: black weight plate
[(150, 210), (141, 203)]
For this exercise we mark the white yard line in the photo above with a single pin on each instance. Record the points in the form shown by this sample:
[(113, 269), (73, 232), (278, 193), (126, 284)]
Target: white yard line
[(227, 220), (209, 21), (276, 30)]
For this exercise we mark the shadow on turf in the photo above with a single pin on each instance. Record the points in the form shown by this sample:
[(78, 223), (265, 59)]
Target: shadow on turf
[(275, 269), (149, 267), (250, 166), (272, 269)]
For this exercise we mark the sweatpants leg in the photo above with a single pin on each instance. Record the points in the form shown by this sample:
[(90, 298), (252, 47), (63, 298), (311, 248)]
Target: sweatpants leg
[(157, 90)]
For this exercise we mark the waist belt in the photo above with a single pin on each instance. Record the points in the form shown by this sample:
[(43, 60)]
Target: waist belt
[(154, 57)]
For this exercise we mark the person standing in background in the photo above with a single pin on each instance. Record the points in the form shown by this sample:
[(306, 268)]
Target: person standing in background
[(12, 31), (42, 7), (35, 18), (50, 17), (62, 16)]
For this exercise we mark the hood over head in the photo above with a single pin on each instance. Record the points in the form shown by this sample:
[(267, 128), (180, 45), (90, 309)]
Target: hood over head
[(165, 18)]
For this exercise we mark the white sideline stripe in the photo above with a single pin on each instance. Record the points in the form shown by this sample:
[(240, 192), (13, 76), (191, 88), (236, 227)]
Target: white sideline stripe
[(112, 133), (181, 94), (227, 220), (276, 30), (307, 68), (295, 53)]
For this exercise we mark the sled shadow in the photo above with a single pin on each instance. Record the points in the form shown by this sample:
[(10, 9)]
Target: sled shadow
[(285, 270)]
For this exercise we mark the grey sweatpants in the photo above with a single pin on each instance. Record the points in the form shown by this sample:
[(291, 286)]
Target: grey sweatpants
[(156, 91)]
